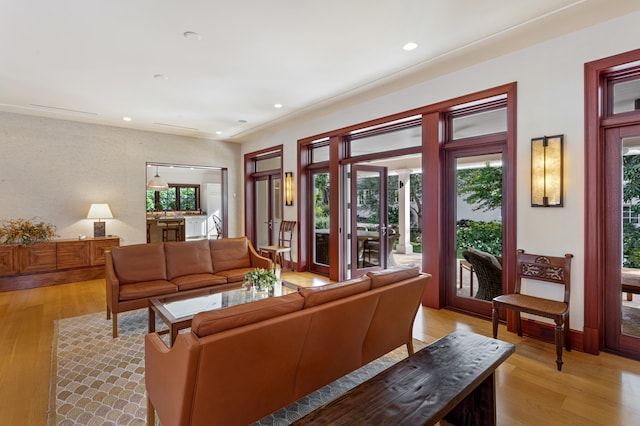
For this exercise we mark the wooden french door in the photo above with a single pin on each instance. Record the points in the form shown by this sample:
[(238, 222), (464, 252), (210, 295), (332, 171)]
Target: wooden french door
[(472, 225), (268, 211), (622, 177), (369, 220)]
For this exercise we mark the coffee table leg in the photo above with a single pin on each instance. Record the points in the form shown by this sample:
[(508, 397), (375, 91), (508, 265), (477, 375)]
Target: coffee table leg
[(174, 333), (152, 320)]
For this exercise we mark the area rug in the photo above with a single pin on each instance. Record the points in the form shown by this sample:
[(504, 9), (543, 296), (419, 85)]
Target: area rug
[(97, 380)]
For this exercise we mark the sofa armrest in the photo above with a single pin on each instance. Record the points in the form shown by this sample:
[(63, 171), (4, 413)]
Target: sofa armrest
[(170, 376), (112, 281), (258, 261)]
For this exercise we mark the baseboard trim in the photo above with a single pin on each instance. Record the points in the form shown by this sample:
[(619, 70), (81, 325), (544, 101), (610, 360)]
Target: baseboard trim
[(546, 333)]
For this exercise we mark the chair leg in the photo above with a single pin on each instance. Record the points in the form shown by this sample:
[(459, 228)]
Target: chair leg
[(559, 338), (567, 334), (108, 313), (494, 317), (410, 347), (518, 324), (151, 413), (115, 324)]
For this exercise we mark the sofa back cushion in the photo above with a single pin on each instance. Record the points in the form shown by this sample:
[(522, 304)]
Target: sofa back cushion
[(314, 296), (390, 276), (139, 262), (187, 258), (210, 322), (229, 253)]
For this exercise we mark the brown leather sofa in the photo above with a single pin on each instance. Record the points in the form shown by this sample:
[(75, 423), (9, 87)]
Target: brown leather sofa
[(242, 363), (138, 272)]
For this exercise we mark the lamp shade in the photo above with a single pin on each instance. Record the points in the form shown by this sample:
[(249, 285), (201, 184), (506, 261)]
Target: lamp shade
[(157, 183), (99, 211)]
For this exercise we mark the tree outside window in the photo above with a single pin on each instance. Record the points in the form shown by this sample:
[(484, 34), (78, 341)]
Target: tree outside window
[(176, 198)]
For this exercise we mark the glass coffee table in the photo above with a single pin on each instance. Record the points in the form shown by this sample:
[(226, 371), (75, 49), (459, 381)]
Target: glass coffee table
[(178, 309)]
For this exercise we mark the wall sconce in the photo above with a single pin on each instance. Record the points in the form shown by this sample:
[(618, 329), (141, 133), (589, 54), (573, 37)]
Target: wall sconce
[(99, 211), (288, 189), (547, 160)]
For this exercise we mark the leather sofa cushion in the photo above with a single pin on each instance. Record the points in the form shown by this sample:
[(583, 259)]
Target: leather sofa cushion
[(235, 275), (139, 262), (187, 258), (189, 282), (211, 322), (229, 253), (145, 289), (314, 296), (390, 276)]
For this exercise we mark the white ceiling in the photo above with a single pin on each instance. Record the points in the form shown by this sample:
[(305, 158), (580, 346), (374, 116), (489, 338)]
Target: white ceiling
[(95, 61)]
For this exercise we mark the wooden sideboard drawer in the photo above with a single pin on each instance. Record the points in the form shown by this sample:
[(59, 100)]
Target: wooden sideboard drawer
[(37, 257), (99, 246), (9, 260), (72, 254)]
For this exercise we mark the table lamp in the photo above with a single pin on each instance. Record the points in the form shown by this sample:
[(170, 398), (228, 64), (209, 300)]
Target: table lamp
[(99, 211)]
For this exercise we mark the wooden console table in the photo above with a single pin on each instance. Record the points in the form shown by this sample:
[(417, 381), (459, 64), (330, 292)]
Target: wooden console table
[(54, 262), (451, 379)]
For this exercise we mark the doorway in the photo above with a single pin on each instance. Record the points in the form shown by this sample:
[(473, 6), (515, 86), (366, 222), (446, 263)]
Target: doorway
[(612, 119), (263, 196)]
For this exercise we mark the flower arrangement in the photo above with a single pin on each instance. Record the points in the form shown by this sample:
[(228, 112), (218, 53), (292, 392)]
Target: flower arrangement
[(26, 231), (261, 279)]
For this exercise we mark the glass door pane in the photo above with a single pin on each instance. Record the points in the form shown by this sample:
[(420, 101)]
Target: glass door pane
[(478, 232), (630, 310), (262, 224), (321, 205), (369, 221), (276, 207)]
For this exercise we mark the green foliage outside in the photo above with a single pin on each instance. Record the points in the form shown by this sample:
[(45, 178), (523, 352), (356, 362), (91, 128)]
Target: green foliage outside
[(630, 195), (481, 187), (485, 236)]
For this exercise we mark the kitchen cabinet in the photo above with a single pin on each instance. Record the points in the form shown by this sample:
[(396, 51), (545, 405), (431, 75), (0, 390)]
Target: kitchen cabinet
[(195, 227)]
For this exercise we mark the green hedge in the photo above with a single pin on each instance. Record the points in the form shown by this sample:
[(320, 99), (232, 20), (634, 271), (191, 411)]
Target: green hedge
[(485, 236)]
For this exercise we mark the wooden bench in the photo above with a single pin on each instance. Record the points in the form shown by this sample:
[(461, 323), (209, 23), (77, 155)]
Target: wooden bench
[(451, 379)]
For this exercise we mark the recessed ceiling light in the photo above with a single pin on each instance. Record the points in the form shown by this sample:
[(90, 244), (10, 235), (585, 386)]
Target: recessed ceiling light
[(126, 118), (160, 77), (218, 132), (410, 46), (190, 35), (277, 105)]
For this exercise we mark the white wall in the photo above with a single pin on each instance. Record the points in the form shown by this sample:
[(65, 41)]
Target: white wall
[(55, 169), (550, 101)]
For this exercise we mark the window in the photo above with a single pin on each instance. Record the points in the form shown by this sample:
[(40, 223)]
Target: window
[(178, 197)]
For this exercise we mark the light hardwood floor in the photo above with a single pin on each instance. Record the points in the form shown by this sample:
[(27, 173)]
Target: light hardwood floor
[(591, 390)]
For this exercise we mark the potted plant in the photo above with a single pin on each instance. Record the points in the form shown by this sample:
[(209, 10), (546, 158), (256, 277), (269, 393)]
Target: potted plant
[(260, 279), (26, 231)]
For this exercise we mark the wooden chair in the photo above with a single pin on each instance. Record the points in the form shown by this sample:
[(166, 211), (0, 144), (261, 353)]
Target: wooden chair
[(277, 252), (171, 225), (217, 222), (556, 270)]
